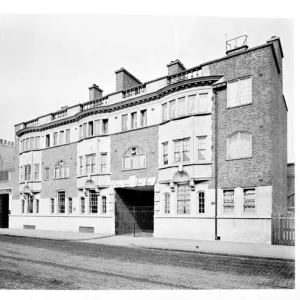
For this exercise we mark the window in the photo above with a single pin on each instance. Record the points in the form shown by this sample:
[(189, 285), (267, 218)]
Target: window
[(47, 173), (27, 144), (80, 132), (37, 206), (134, 120), (228, 201), (61, 202), (91, 128), (143, 118), (61, 170), (167, 203), (124, 122), (70, 205), (30, 205), (93, 202), (105, 126), (249, 201), (55, 136), (103, 166), (61, 137), (239, 92), (27, 170), (182, 150), (84, 131), (47, 140), (165, 153), (191, 104), (37, 142), (21, 174), (172, 109), (201, 202), (104, 205), (201, 148), (134, 158), (52, 206), (164, 112), (181, 107), (239, 145), (67, 136), (90, 166), (31, 143), (80, 165), (97, 127), (203, 102), (183, 199), (37, 172), (82, 206), (23, 207)]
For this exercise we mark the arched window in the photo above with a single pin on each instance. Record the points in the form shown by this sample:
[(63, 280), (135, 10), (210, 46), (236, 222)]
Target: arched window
[(70, 205), (201, 202), (82, 205), (61, 170), (239, 145), (134, 158), (61, 195), (104, 205), (37, 206), (167, 203)]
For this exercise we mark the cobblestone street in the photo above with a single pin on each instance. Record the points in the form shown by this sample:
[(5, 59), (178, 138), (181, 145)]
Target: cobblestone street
[(28, 263)]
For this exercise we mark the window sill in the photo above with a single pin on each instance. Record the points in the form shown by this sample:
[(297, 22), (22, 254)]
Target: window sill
[(186, 164), (237, 106), (186, 116), (239, 158), (61, 178), (125, 170)]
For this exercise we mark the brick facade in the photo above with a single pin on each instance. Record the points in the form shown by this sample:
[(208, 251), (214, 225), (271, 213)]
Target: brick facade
[(50, 157), (147, 139)]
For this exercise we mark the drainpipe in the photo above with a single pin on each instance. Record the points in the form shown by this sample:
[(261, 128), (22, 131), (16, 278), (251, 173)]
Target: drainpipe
[(216, 166)]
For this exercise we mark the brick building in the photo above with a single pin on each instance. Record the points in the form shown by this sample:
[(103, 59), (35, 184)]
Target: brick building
[(199, 153), (7, 165)]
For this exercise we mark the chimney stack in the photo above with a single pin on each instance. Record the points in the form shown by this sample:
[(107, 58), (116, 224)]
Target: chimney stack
[(95, 92), (125, 80), (175, 67)]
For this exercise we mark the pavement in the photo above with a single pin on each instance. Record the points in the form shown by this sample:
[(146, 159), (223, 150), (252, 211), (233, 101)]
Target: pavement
[(196, 246)]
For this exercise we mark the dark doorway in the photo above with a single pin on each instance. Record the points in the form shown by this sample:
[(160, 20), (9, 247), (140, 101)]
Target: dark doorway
[(134, 210), (4, 200)]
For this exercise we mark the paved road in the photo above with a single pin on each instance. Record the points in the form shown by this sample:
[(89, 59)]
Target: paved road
[(28, 263)]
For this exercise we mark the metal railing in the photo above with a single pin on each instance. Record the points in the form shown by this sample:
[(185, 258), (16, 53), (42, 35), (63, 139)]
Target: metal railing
[(236, 42)]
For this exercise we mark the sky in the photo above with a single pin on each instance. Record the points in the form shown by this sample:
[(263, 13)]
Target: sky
[(49, 61)]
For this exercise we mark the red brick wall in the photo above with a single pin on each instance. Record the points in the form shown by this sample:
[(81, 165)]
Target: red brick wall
[(50, 157), (147, 138), (124, 81), (254, 118)]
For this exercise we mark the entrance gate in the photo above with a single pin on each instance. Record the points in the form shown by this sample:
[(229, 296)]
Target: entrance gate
[(134, 220)]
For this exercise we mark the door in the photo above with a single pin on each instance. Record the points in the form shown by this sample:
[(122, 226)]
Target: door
[(4, 200)]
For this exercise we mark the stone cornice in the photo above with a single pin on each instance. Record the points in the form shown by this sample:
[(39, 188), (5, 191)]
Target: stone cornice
[(169, 89)]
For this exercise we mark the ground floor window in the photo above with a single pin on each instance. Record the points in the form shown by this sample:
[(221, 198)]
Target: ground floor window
[(228, 201), (104, 205), (23, 207), (70, 205), (82, 205), (93, 202), (61, 202), (37, 206), (201, 202), (52, 206), (249, 200), (183, 199), (167, 203), (30, 205)]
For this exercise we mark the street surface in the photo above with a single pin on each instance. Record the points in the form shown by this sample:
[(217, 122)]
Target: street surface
[(28, 263)]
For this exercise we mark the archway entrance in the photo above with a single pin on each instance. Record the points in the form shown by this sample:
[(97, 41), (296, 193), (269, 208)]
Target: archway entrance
[(134, 211)]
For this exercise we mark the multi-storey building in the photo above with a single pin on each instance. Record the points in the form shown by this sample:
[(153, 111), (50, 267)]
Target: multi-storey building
[(7, 165), (205, 148)]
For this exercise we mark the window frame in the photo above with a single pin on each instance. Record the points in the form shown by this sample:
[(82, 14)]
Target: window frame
[(36, 171), (234, 201), (236, 81), (143, 118), (185, 201), (103, 166), (27, 175), (204, 137), (93, 203), (70, 207), (198, 202), (82, 205), (60, 167), (68, 136), (59, 204), (243, 202), (37, 206), (52, 206), (124, 122), (164, 112), (30, 205), (181, 151), (239, 141), (165, 154), (167, 204), (103, 205), (131, 160), (134, 121)]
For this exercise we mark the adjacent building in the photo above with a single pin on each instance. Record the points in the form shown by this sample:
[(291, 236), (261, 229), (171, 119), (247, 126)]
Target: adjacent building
[(199, 153), (7, 165)]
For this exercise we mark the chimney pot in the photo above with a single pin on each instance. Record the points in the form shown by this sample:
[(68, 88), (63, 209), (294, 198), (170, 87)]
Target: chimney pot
[(175, 66)]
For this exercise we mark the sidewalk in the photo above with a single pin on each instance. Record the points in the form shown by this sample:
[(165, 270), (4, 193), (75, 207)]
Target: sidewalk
[(210, 247)]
